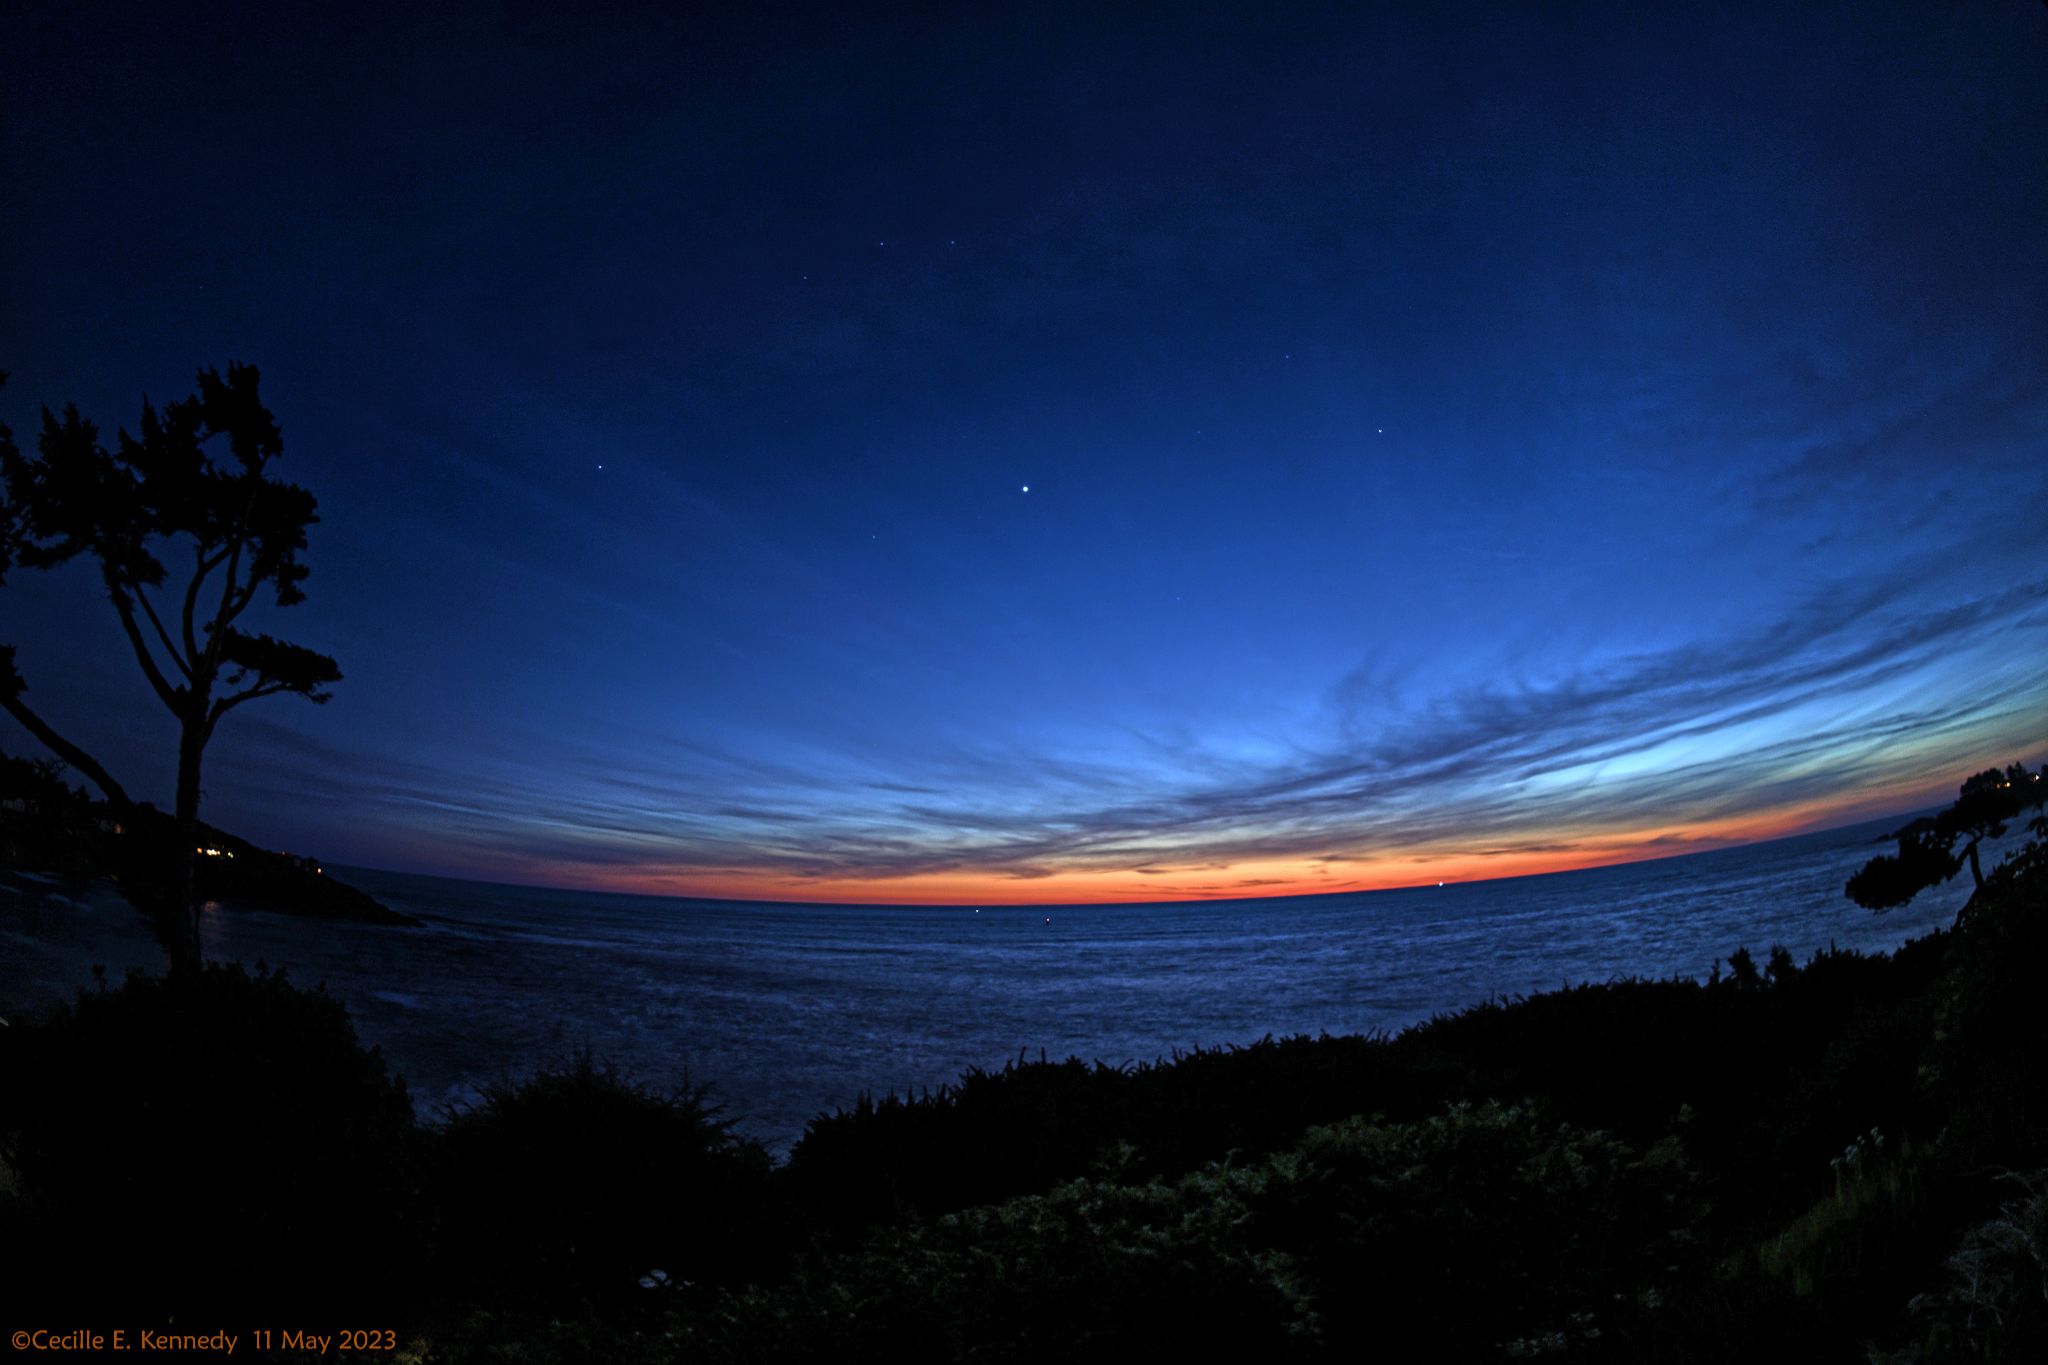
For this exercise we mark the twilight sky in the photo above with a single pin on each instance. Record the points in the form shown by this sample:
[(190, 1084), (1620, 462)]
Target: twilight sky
[(1459, 441)]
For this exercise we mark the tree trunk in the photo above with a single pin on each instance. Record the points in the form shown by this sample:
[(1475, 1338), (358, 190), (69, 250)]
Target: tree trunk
[(1977, 874), (182, 942)]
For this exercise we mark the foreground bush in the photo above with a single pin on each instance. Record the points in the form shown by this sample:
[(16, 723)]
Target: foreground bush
[(1993, 1305), (1778, 1070), (577, 1183), (1984, 1066), (1485, 1233), (211, 1141), (1090, 1271), (1985, 1061)]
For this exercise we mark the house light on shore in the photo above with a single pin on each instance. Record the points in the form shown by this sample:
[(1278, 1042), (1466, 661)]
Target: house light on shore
[(215, 852)]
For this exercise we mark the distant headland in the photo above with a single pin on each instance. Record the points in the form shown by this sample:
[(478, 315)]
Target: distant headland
[(49, 827)]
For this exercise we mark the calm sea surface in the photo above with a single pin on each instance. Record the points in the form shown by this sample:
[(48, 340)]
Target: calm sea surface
[(790, 1010)]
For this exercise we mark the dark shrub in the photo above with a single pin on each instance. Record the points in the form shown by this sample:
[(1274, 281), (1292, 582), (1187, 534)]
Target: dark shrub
[(205, 1142), (1486, 1231), (1994, 1303), (576, 1183), (1090, 1271), (1987, 1063), (1775, 1069), (1032, 1124)]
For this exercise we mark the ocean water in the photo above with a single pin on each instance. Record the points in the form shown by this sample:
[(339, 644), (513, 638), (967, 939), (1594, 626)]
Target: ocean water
[(793, 1010)]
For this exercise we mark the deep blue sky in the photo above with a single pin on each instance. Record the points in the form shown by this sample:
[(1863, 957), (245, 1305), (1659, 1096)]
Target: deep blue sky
[(1459, 440)]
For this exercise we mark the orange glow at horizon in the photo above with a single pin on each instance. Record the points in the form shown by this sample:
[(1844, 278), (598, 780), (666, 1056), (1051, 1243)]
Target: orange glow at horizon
[(1539, 852)]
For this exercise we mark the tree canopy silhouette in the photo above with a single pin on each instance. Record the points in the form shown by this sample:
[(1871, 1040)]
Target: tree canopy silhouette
[(1929, 852), (194, 486)]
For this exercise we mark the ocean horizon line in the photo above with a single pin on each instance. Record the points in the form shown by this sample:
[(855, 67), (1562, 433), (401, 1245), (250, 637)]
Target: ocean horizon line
[(1877, 823)]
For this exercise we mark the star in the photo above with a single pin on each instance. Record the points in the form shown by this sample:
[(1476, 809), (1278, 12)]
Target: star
[(1027, 488)]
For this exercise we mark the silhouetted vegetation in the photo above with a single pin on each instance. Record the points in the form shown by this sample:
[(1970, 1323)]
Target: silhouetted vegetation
[(166, 492), (1936, 847), (1835, 1160), (576, 1183), (202, 1142)]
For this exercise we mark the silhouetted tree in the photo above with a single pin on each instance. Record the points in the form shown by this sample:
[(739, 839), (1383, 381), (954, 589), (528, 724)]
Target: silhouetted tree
[(166, 491), (11, 684), (1928, 847)]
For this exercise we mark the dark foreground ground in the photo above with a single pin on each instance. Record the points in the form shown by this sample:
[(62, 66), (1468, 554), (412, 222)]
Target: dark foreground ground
[(1837, 1160)]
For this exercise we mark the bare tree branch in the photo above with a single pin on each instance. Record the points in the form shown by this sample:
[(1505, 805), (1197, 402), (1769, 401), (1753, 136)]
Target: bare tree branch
[(203, 564), (78, 758), (226, 704), (164, 690), (227, 590), (142, 596)]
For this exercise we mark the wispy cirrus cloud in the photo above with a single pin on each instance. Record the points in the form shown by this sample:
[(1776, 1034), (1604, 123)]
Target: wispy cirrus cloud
[(1848, 692)]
